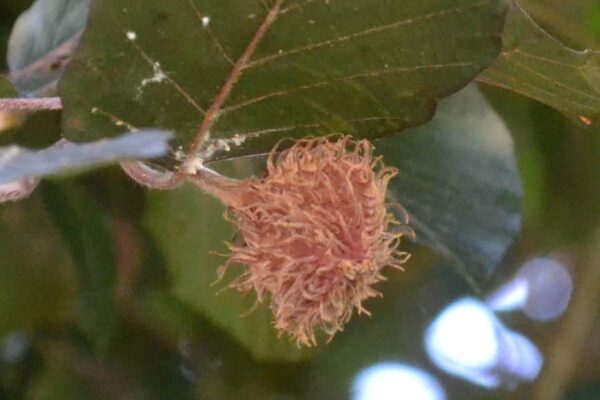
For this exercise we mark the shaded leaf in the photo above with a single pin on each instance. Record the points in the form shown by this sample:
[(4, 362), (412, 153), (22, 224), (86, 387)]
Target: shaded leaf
[(42, 41), (33, 131), (537, 65), (17, 163), (574, 22), (188, 227), (84, 227), (38, 285), (460, 184), (367, 68), (57, 382), (560, 166), (6, 88), (9, 12)]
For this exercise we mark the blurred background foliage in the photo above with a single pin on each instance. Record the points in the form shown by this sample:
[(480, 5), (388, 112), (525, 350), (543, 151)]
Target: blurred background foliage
[(93, 305)]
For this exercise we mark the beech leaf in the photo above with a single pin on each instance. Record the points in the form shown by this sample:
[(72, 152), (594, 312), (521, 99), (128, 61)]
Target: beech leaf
[(240, 75)]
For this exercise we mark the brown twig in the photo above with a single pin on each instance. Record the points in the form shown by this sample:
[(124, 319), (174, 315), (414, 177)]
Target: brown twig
[(34, 104), (18, 190), (233, 78), (229, 191), (145, 175)]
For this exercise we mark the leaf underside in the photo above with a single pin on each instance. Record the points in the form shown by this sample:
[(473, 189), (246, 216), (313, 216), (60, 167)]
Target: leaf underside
[(366, 68), (539, 66), (459, 181), (42, 41)]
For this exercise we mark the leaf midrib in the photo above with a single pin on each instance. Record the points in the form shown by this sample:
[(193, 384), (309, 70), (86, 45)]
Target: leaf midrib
[(233, 78)]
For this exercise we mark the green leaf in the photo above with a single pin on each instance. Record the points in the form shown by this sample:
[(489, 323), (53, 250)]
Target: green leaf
[(560, 165), (38, 284), (57, 382), (42, 41), (35, 131), (85, 229), (7, 89), (460, 184), (362, 67), (539, 66), (188, 227), (571, 22)]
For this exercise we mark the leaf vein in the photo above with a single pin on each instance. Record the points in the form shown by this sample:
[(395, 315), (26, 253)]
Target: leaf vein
[(210, 32), (366, 32), (256, 133), (559, 102), (297, 6), (189, 98), (231, 81), (370, 74), (555, 82)]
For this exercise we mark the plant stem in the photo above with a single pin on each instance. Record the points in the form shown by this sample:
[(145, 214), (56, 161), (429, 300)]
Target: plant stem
[(151, 178), (229, 84), (230, 192), (35, 104)]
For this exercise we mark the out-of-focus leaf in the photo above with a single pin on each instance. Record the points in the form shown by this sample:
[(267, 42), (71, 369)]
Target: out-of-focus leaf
[(9, 12), (33, 131), (518, 113), (42, 41), (460, 183), (363, 67), (151, 361), (537, 65), (17, 163), (571, 22), (6, 88), (84, 226), (562, 187), (593, 20), (58, 382), (188, 227), (38, 283)]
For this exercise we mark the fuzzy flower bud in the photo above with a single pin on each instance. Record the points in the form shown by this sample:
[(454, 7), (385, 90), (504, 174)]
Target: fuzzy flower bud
[(316, 234)]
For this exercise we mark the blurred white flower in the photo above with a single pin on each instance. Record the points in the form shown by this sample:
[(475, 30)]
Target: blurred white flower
[(468, 340), (395, 381), (541, 289)]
